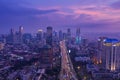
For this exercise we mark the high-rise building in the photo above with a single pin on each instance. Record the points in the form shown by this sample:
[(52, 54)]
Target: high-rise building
[(27, 38), (40, 34), (84, 41), (55, 37), (60, 35), (64, 36), (49, 36), (10, 37), (46, 56), (78, 37), (112, 53), (20, 34), (17, 38), (21, 29), (69, 33), (78, 32), (100, 48)]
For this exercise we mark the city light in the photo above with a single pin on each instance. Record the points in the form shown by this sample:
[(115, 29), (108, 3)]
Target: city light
[(40, 30), (69, 51), (112, 68), (78, 67)]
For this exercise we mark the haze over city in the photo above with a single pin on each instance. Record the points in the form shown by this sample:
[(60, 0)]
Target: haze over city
[(90, 15)]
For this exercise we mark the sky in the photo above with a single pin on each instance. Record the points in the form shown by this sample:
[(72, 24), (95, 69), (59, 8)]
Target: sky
[(89, 15)]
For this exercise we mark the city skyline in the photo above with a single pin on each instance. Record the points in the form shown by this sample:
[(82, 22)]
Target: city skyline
[(59, 40), (89, 15)]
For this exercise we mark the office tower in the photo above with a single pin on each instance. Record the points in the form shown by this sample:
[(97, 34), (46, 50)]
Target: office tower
[(60, 35), (47, 50), (112, 53), (78, 32), (68, 33), (20, 29), (27, 38), (10, 37), (78, 37), (46, 56), (84, 42), (17, 38), (49, 36), (20, 34), (100, 48), (39, 35), (64, 36), (54, 33), (55, 37)]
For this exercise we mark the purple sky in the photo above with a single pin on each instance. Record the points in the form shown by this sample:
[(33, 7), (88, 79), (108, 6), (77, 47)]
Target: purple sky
[(90, 15)]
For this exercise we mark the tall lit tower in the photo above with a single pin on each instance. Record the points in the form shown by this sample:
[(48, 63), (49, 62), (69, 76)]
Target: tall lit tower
[(112, 53), (78, 37), (21, 29), (39, 34), (20, 34)]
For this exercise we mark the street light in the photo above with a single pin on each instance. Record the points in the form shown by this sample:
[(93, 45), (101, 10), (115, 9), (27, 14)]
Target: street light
[(78, 67), (69, 51), (84, 78)]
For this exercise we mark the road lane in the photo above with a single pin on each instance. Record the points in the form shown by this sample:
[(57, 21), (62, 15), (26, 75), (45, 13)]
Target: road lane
[(67, 71)]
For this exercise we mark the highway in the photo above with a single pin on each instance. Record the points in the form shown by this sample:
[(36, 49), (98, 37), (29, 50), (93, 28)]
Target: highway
[(67, 70)]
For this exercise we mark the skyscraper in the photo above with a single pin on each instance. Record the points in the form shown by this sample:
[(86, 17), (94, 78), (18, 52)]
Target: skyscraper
[(100, 48), (47, 55), (55, 36), (49, 36), (40, 34), (78, 32), (78, 37), (69, 33), (12, 35), (20, 34), (112, 53), (64, 36), (60, 35)]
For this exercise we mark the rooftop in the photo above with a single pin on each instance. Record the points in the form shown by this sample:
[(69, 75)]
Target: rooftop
[(110, 40)]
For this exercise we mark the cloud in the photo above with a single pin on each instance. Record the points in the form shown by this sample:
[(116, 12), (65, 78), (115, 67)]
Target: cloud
[(14, 13), (88, 14), (115, 5), (20, 11)]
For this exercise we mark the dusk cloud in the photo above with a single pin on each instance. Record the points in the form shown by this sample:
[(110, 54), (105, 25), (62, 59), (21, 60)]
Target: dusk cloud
[(116, 5), (6, 9), (88, 14)]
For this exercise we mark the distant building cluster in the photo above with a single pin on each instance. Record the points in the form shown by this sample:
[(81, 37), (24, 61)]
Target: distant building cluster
[(25, 56)]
